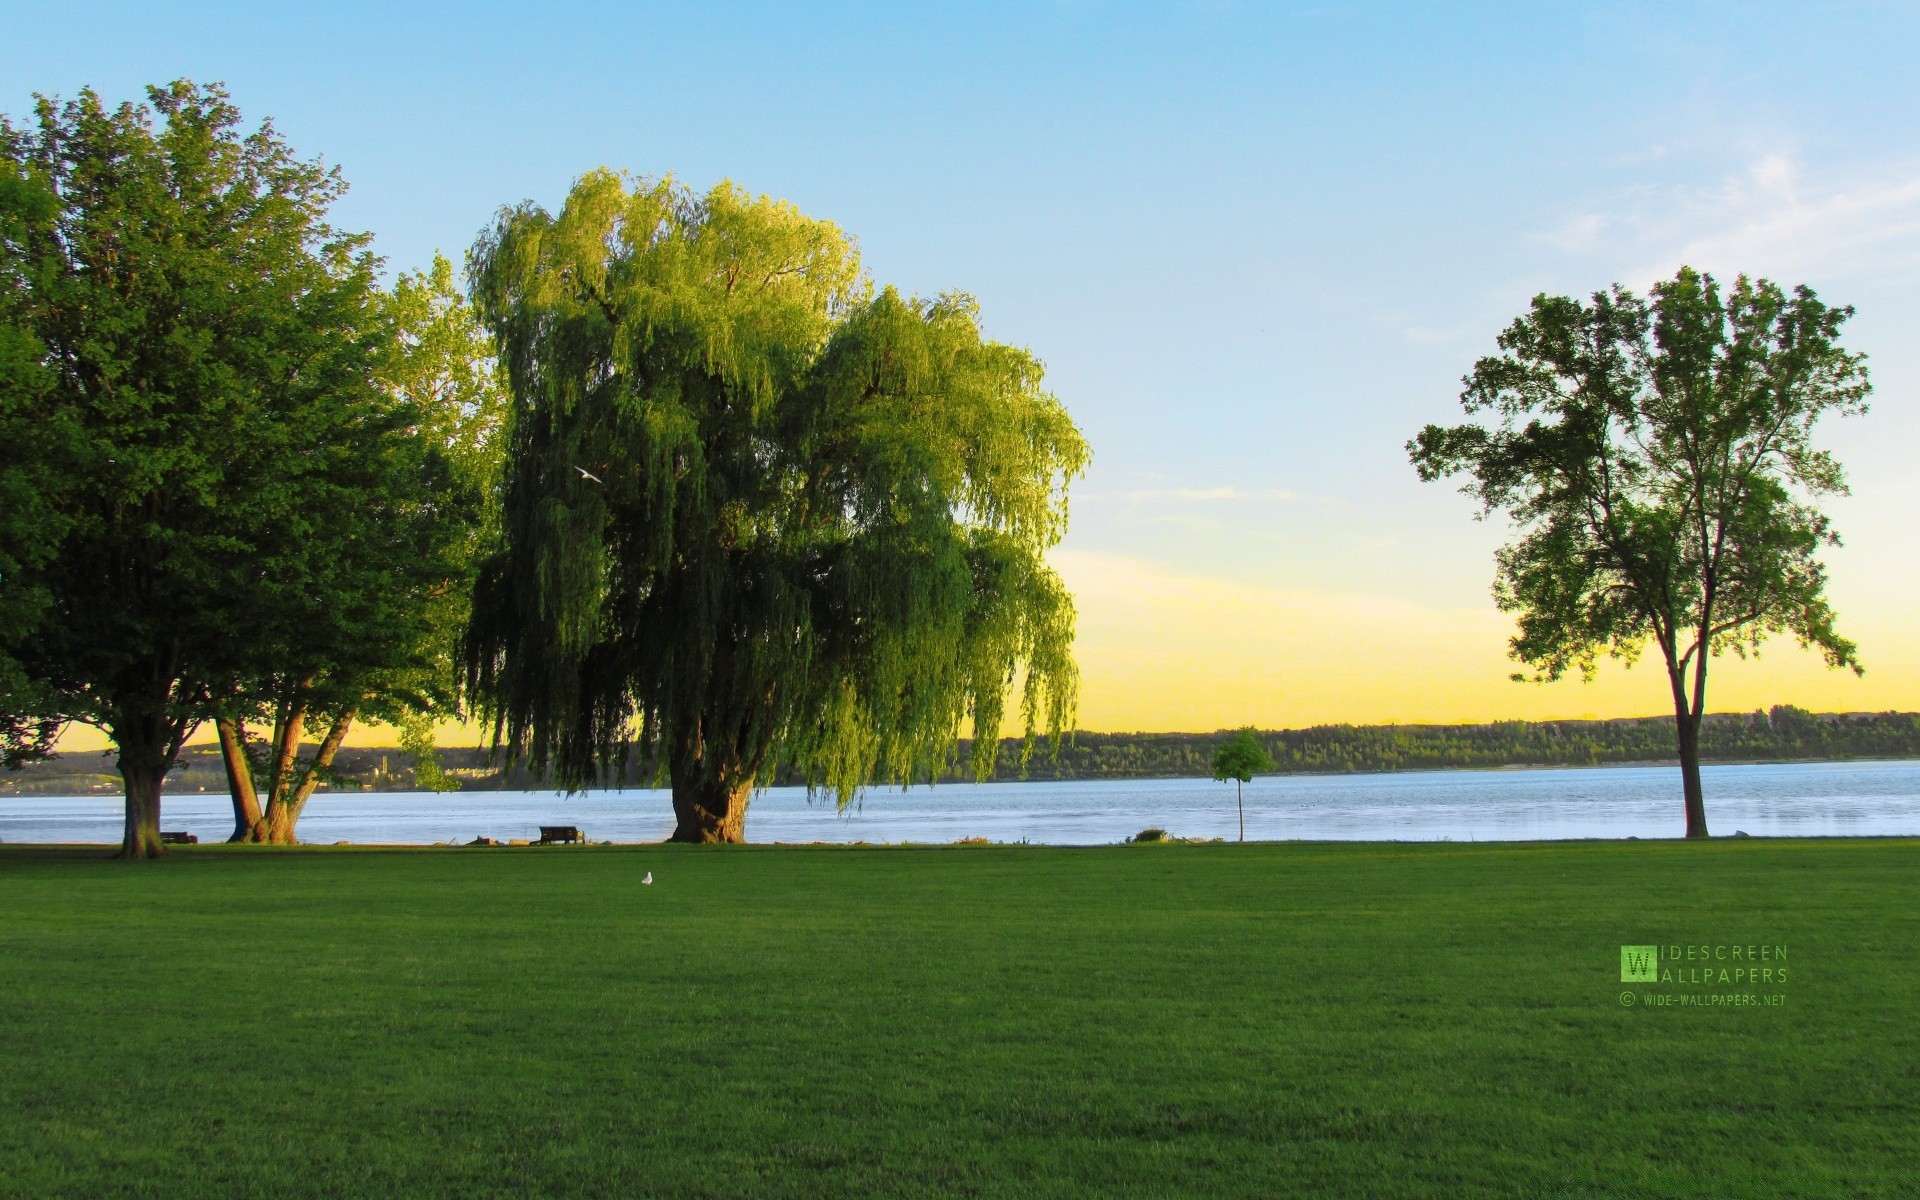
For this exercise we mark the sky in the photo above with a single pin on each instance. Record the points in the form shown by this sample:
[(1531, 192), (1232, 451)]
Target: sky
[(1257, 246)]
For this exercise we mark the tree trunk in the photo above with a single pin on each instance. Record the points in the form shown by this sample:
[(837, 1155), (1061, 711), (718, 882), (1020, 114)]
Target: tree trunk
[(141, 837), (1687, 712), (1242, 806), (285, 806), (1689, 727), (277, 829), (246, 800), (148, 744), (710, 812), (286, 748)]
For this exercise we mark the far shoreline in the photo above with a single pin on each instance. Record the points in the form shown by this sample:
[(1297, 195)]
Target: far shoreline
[(9, 791)]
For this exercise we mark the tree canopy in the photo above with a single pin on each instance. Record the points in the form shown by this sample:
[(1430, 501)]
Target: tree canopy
[(1241, 757), (30, 528), (370, 627), (1656, 457), (755, 513), (197, 346)]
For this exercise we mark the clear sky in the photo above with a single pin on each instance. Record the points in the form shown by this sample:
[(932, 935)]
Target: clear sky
[(1256, 244)]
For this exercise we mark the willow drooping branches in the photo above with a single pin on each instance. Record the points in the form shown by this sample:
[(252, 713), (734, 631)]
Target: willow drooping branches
[(756, 517)]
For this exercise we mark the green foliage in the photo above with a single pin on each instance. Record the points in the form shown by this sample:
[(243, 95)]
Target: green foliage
[(182, 296), (754, 514), (1151, 835), (231, 510), (380, 640), (441, 362), (403, 548), (441, 365), (416, 738), (1657, 458), (1241, 757), (31, 448)]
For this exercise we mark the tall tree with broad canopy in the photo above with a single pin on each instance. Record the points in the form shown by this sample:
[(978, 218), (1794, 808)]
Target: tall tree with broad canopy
[(372, 629), (756, 516), (1657, 458), (201, 347)]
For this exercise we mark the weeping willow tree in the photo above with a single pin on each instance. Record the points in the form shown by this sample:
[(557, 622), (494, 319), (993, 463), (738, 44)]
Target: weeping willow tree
[(756, 517)]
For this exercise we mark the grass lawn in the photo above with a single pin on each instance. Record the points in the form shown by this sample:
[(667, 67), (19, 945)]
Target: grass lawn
[(1260, 1020)]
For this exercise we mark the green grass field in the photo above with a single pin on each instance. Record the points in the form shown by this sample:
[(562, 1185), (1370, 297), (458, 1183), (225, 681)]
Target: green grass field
[(1261, 1020)]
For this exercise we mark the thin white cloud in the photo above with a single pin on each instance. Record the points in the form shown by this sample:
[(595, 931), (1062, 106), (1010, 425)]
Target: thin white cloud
[(1773, 219), (1578, 232)]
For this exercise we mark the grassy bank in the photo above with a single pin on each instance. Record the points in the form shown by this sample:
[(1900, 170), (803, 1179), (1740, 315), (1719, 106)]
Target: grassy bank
[(1131, 1021)]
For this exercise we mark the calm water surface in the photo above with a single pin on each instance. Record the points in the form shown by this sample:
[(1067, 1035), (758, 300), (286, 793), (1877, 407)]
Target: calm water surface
[(1772, 800)]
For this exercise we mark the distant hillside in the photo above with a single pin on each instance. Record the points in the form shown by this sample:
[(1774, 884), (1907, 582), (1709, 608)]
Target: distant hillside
[(1782, 734)]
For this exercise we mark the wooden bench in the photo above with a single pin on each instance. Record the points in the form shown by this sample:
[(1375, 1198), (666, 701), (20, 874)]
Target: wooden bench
[(553, 835), (178, 838)]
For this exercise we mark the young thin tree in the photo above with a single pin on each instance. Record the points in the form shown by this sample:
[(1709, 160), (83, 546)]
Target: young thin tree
[(1656, 456), (755, 515), (1240, 758), (201, 339)]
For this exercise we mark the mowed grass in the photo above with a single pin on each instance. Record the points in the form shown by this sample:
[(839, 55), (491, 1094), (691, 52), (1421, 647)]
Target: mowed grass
[(1260, 1020)]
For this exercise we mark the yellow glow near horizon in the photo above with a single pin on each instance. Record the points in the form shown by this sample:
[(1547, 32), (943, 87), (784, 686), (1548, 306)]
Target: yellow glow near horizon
[(1166, 652)]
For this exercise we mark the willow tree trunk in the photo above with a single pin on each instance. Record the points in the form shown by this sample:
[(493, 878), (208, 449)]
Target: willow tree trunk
[(710, 812)]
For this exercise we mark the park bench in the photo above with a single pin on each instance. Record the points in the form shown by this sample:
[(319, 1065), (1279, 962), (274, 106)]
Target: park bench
[(178, 838), (551, 835)]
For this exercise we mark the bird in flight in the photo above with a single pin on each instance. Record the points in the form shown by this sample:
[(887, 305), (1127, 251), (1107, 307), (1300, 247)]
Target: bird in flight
[(586, 474)]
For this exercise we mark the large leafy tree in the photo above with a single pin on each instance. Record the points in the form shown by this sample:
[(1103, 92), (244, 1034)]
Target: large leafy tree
[(369, 627), (756, 516), (1656, 455), (352, 627), (200, 345)]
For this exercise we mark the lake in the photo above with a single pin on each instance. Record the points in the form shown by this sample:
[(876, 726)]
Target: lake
[(1853, 799)]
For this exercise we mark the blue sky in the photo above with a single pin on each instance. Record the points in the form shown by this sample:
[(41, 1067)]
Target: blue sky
[(1257, 245)]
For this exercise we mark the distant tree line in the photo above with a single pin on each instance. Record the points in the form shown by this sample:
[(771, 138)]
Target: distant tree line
[(1782, 734)]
